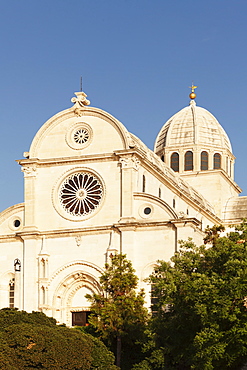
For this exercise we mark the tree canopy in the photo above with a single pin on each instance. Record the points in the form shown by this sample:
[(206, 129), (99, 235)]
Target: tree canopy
[(34, 341), (119, 316), (200, 310)]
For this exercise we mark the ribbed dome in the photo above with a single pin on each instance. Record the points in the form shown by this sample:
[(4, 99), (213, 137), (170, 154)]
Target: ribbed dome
[(190, 126)]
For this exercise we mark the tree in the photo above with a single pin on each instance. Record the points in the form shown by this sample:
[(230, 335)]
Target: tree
[(119, 316), (201, 304), (34, 341)]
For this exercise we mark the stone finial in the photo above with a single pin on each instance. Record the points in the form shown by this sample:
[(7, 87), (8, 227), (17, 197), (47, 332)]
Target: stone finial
[(80, 99), (80, 102)]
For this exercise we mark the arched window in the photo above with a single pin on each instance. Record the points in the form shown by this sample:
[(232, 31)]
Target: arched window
[(217, 161), (175, 162), (204, 161), (174, 203), (143, 183), (43, 269), (43, 295), (163, 158), (159, 192), (188, 161), (12, 293)]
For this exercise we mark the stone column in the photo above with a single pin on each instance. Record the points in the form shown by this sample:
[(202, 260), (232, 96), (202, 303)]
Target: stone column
[(29, 196), (129, 167)]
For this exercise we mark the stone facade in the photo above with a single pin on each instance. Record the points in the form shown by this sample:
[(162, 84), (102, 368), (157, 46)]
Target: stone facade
[(93, 189)]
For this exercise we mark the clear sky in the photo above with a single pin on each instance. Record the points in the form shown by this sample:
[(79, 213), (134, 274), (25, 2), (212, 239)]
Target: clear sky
[(137, 59)]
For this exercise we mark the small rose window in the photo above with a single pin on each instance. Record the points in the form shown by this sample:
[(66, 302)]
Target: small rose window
[(81, 136)]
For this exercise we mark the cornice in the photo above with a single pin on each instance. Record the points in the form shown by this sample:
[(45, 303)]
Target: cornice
[(67, 160)]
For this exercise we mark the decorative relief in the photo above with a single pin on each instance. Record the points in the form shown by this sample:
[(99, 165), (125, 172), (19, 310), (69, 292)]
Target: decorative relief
[(80, 276), (78, 240), (29, 171), (80, 102), (181, 214), (129, 162)]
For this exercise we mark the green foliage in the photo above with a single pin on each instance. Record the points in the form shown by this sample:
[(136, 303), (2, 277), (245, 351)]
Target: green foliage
[(201, 319), (119, 314), (102, 358), (34, 341)]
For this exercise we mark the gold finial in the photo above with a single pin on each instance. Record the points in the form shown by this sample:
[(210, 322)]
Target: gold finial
[(192, 94)]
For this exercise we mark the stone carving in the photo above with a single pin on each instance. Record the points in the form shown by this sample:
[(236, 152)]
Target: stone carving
[(79, 102), (78, 240), (80, 276), (129, 162), (29, 171), (181, 214)]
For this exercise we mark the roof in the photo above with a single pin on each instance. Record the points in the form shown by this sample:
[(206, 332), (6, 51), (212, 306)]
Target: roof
[(235, 210), (190, 126)]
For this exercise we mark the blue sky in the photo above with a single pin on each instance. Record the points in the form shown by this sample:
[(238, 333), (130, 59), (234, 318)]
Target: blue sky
[(137, 59)]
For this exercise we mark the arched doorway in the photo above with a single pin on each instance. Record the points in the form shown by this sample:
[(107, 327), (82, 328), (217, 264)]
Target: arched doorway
[(69, 303)]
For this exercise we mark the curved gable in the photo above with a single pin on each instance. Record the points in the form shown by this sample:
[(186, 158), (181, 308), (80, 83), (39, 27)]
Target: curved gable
[(69, 134), (12, 219)]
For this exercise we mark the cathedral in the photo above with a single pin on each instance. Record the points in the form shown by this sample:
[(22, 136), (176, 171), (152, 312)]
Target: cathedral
[(92, 189)]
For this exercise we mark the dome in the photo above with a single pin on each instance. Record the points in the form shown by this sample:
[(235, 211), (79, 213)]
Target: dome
[(192, 125)]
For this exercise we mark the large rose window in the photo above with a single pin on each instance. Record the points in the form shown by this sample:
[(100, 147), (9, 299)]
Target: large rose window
[(81, 193)]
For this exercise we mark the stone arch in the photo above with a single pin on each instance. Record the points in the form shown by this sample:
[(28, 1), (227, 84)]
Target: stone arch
[(67, 288), (97, 270)]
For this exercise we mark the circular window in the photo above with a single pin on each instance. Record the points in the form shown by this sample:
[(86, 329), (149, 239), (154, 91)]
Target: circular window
[(147, 210), (80, 194), (79, 136), (17, 223)]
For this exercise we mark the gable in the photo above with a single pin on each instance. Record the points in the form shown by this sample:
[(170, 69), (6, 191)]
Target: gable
[(68, 134)]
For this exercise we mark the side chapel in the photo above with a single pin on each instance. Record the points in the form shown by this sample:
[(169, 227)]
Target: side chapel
[(93, 189)]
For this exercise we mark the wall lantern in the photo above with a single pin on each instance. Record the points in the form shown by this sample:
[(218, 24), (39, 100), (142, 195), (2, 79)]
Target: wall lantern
[(17, 265)]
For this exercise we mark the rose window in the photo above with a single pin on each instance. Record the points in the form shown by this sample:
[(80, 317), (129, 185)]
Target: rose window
[(81, 136), (81, 194)]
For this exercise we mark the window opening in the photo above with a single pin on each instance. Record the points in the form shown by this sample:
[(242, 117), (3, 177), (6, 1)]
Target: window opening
[(174, 203), (159, 192), (147, 210), (217, 161), (143, 183), (188, 164), (17, 223), (43, 268), (204, 161), (163, 158), (43, 295), (12, 293), (175, 162)]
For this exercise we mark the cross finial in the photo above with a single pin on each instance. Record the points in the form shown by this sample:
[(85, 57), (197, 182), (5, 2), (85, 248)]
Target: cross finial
[(192, 94), (193, 87)]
